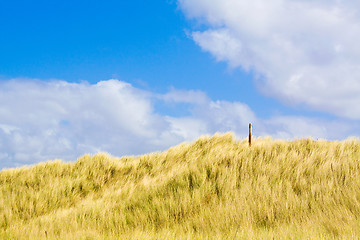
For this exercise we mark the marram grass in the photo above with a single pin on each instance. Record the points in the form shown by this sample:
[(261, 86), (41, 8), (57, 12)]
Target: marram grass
[(214, 188)]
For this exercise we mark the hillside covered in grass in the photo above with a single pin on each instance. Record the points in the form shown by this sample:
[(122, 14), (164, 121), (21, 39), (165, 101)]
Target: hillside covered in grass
[(214, 188)]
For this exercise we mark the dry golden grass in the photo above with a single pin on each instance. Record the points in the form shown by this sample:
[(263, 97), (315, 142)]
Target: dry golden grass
[(214, 188)]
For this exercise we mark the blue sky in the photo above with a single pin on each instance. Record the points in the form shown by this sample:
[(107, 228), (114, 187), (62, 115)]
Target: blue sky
[(131, 77), (141, 42)]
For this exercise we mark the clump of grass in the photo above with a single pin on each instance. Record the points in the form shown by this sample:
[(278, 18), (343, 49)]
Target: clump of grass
[(213, 188)]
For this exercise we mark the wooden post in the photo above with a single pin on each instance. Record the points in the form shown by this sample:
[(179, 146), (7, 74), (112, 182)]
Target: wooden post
[(250, 126)]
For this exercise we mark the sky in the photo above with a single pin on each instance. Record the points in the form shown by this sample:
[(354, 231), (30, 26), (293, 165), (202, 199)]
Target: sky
[(134, 77)]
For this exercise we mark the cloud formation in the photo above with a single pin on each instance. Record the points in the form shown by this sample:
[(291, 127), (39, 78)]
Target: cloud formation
[(42, 121), (302, 52)]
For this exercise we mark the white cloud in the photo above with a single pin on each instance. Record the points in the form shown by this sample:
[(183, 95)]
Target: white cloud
[(302, 51), (289, 127), (8, 129), (41, 121), (47, 120), (183, 96), (188, 127)]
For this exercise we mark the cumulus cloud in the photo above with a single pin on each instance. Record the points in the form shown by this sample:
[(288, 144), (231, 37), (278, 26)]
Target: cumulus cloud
[(42, 120), (47, 120), (302, 52), (208, 116), (290, 127)]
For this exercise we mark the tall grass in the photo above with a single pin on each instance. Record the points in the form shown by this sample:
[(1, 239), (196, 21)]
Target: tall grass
[(214, 188)]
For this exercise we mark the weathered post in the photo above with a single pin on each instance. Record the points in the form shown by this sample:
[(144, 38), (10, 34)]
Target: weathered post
[(250, 126)]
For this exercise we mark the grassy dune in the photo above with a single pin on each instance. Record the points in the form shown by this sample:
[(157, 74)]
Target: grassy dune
[(214, 188)]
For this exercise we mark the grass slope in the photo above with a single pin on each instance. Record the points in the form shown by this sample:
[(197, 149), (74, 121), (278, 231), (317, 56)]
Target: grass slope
[(214, 188)]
